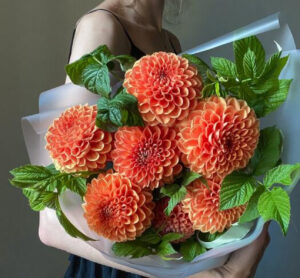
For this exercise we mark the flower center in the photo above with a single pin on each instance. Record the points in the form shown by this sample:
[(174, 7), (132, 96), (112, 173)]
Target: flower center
[(146, 153), (106, 212)]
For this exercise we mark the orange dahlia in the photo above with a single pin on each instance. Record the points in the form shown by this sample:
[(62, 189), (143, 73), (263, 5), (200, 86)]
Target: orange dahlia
[(166, 87), (219, 136), (116, 208), (148, 156), (75, 143), (177, 222), (202, 206)]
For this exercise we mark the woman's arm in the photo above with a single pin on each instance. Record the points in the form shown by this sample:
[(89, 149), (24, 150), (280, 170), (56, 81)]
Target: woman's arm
[(96, 29)]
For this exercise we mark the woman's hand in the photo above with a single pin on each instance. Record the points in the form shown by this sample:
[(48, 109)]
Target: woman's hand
[(242, 263)]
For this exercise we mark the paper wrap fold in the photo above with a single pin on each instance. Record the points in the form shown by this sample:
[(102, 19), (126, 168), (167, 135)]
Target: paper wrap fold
[(53, 102)]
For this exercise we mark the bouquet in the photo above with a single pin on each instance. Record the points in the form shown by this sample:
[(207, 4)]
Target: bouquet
[(172, 161)]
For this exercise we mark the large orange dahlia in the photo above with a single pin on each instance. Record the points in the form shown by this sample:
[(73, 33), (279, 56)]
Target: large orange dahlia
[(116, 208), (75, 143), (177, 222), (166, 87), (202, 206), (148, 156), (219, 136)]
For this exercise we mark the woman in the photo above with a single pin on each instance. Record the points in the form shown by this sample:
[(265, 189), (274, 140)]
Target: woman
[(129, 27)]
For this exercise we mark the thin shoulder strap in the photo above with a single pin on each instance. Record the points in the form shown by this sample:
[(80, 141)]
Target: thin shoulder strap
[(92, 11)]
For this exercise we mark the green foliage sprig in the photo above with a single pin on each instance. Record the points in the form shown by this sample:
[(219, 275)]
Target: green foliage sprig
[(42, 187), (92, 71), (251, 77)]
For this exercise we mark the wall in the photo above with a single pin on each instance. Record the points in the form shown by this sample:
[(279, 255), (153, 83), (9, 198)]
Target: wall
[(34, 36)]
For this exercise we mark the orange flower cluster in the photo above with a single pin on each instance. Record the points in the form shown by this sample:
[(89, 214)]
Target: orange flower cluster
[(219, 136), (148, 156), (75, 143), (212, 136), (166, 86), (116, 208), (202, 205)]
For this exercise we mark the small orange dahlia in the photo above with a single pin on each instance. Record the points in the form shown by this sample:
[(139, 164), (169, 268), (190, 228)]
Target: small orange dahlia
[(166, 87), (219, 136), (116, 208), (177, 222), (75, 143), (148, 156), (202, 206)]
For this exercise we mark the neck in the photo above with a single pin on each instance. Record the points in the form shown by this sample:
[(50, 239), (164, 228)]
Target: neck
[(146, 12)]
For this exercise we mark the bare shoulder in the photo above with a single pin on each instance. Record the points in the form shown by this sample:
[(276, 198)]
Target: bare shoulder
[(98, 28), (175, 41)]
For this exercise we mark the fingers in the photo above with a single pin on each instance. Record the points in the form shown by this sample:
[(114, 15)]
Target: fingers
[(243, 263)]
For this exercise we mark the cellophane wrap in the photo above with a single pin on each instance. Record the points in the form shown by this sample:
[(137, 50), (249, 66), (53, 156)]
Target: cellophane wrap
[(52, 103)]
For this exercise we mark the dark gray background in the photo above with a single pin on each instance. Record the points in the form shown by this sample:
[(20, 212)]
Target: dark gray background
[(34, 42)]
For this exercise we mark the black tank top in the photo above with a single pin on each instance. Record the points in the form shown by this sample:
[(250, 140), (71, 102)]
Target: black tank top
[(135, 51)]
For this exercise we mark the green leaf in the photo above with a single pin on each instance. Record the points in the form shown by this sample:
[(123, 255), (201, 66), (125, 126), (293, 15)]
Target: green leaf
[(150, 236), (249, 64), (67, 225), (275, 98), (268, 151), (224, 67), (274, 66), (236, 190), (175, 199), (165, 249), (190, 249), (282, 174), (35, 199), (133, 249), (96, 79), (275, 205), (208, 90), (251, 211), (29, 174), (74, 70), (169, 189), (242, 46), (202, 67), (126, 62), (120, 111), (189, 177), (171, 237), (75, 184)]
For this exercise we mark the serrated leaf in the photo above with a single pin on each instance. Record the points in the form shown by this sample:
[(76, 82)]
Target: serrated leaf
[(150, 236), (275, 98), (67, 225), (249, 64), (96, 79), (165, 249), (274, 66), (251, 211), (171, 237), (169, 189), (268, 151), (35, 199), (175, 199), (202, 67), (126, 62), (75, 184), (133, 249), (189, 177), (282, 174), (224, 67), (275, 205), (242, 46), (237, 188), (190, 249)]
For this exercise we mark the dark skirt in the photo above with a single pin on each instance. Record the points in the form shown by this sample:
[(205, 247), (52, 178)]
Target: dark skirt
[(82, 268)]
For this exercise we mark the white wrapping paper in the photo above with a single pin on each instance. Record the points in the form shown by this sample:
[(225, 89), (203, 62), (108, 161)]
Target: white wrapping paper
[(53, 102)]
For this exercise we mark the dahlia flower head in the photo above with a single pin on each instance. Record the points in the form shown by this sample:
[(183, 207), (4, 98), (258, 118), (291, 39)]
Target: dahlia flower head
[(167, 87), (177, 222), (202, 205), (148, 156), (219, 136), (116, 208), (75, 143)]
